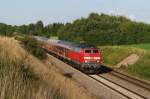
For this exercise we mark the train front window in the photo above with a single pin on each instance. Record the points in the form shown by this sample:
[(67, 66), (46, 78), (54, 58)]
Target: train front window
[(95, 51), (87, 51)]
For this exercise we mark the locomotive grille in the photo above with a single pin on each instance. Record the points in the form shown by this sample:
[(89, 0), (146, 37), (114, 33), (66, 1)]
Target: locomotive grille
[(91, 61)]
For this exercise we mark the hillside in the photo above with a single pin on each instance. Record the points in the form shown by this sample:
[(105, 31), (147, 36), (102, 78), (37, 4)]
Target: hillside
[(112, 55), (22, 76)]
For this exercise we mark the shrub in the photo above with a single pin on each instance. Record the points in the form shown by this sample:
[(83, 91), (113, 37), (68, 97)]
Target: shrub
[(33, 46)]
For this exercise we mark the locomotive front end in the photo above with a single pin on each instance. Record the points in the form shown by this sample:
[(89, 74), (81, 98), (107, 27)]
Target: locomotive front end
[(92, 59)]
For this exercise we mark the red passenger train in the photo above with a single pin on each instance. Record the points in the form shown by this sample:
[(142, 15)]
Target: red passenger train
[(87, 58)]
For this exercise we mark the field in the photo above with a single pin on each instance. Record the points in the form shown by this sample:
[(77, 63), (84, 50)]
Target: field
[(142, 46), (22, 76), (114, 54)]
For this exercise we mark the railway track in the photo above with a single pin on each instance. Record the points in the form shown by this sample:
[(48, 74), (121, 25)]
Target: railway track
[(127, 77), (126, 93), (135, 85), (143, 84), (141, 89), (125, 85)]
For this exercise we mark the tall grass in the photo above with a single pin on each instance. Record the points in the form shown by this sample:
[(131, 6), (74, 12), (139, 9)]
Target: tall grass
[(16, 80), (23, 76)]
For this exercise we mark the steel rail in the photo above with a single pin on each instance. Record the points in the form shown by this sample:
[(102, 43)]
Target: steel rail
[(122, 87), (109, 87), (132, 80)]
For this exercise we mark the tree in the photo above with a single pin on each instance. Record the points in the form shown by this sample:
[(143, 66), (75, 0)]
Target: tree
[(39, 27), (3, 28)]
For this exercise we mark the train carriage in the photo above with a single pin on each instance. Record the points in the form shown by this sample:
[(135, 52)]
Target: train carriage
[(87, 58)]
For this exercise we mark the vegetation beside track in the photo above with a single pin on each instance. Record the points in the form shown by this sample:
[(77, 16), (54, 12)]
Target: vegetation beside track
[(114, 54), (22, 76), (17, 81), (32, 45), (142, 46)]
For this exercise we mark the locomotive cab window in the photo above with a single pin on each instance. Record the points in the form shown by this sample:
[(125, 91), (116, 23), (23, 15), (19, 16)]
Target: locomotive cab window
[(77, 49), (87, 51), (95, 51)]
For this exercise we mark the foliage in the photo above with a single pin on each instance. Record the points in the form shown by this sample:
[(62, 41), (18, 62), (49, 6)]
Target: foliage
[(106, 30), (97, 29), (33, 46), (7, 30)]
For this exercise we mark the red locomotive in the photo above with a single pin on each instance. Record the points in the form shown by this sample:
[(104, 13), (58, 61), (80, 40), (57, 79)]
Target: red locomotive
[(86, 58)]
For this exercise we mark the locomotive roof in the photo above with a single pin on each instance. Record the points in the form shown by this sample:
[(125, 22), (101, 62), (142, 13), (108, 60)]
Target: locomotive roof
[(66, 44), (40, 38), (62, 43), (71, 45)]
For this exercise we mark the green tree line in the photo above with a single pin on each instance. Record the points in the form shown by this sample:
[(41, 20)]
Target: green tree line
[(31, 29), (96, 29)]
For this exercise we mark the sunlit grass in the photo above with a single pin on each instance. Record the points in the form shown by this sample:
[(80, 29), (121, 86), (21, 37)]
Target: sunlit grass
[(22, 76), (112, 55), (143, 46), (16, 80)]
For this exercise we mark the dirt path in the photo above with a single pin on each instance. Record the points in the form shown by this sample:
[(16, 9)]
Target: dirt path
[(130, 60)]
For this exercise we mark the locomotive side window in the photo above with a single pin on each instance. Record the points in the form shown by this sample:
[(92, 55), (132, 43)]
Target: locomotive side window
[(95, 51), (77, 49), (87, 51)]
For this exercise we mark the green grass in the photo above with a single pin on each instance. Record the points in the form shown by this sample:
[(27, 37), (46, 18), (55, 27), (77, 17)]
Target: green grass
[(141, 68), (142, 46), (114, 54)]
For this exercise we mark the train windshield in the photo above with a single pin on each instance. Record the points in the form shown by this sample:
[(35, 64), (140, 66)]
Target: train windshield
[(88, 51), (95, 51)]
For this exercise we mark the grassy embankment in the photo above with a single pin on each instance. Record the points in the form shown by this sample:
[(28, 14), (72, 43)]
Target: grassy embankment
[(142, 46), (114, 54), (23, 76)]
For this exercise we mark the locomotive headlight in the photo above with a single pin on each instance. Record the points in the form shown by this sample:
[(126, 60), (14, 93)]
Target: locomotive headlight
[(97, 58), (87, 57), (86, 61)]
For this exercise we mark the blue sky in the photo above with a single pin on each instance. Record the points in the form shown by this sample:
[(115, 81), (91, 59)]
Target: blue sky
[(18, 12)]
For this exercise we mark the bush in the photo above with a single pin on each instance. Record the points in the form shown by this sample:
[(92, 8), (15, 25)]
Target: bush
[(33, 46)]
